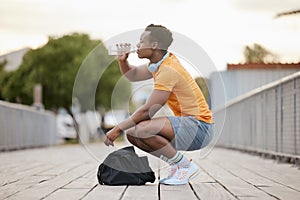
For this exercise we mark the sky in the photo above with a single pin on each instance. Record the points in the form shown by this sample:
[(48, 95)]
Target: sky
[(221, 27)]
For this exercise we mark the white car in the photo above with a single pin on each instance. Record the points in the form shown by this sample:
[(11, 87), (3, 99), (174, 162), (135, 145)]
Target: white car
[(65, 125), (93, 122), (113, 118)]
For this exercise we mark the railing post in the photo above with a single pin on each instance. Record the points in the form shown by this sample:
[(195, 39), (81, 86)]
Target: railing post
[(295, 117), (281, 117), (276, 117), (265, 115)]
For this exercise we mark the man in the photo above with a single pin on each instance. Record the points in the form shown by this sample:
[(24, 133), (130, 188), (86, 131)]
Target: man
[(190, 128)]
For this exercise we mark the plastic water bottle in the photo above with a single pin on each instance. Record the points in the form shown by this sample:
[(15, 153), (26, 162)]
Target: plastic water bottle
[(120, 49)]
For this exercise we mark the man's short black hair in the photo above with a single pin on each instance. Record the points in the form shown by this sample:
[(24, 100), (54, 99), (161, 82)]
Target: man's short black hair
[(160, 34)]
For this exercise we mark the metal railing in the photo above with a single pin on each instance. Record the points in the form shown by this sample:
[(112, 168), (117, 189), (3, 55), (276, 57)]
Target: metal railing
[(22, 127), (264, 120)]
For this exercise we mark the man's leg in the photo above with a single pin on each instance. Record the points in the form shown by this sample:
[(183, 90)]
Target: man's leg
[(153, 136), (156, 137)]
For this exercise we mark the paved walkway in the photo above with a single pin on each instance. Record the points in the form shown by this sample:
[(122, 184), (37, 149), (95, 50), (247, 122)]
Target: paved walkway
[(69, 172)]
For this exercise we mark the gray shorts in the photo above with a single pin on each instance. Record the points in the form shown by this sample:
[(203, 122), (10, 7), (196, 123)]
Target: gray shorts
[(190, 133)]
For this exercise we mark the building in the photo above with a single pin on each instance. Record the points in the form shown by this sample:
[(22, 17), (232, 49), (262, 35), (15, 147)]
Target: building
[(14, 59)]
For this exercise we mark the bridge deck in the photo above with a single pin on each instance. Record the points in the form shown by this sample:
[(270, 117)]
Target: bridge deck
[(69, 172)]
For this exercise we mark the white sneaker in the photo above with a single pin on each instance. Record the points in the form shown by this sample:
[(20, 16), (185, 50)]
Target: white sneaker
[(171, 172), (184, 175)]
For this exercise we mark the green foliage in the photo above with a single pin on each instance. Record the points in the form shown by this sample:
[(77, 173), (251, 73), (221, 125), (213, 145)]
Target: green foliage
[(258, 54), (55, 66), (116, 89), (2, 65), (3, 75), (202, 83)]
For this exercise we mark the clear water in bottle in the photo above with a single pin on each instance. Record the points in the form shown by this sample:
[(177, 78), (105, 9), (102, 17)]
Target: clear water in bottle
[(119, 49)]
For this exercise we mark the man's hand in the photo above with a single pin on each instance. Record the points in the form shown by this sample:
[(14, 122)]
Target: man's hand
[(123, 51), (111, 136), (132, 73)]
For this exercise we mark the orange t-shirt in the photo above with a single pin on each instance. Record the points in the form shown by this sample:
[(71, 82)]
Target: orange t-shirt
[(186, 98)]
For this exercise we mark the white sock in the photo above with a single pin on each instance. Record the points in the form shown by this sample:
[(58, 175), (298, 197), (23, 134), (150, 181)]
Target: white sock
[(178, 159)]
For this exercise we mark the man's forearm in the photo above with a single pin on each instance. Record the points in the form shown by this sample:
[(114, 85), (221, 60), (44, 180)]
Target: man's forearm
[(127, 70), (140, 115)]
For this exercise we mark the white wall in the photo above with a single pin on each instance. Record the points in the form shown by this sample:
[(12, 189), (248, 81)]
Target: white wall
[(22, 127)]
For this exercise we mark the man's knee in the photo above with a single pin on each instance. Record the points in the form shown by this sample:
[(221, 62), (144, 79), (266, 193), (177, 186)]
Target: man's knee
[(144, 130)]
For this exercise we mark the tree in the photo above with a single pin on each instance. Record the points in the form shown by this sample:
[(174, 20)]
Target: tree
[(2, 65), (202, 83), (258, 54), (3, 75), (55, 66), (121, 86)]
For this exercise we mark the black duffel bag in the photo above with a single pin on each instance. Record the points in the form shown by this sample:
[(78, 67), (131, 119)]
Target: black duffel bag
[(125, 167)]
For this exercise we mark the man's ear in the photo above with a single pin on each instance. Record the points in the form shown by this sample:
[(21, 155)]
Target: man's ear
[(155, 45)]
